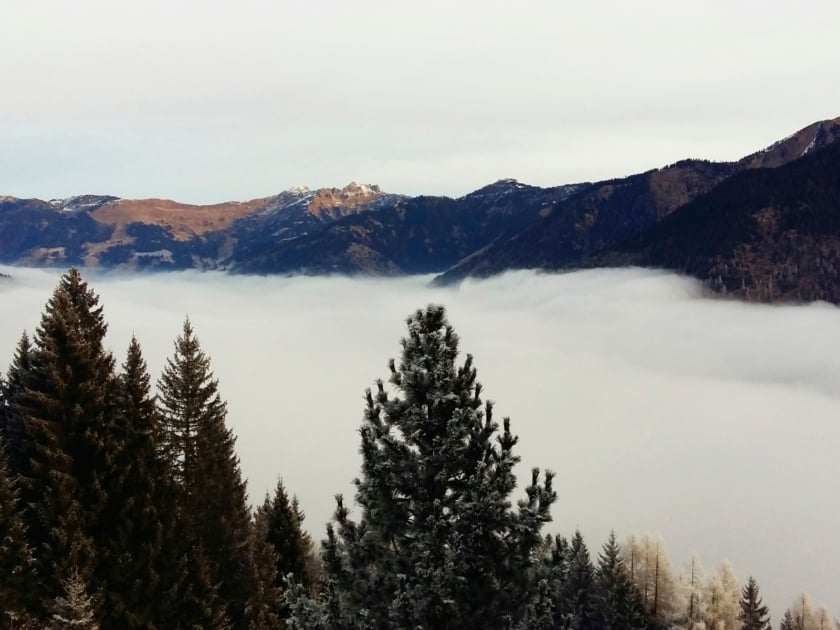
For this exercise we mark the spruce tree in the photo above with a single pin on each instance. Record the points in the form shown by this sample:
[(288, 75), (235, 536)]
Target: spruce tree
[(618, 605), (264, 607), (65, 407), (11, 423), (16, 562), (284, 531), (579, 587), (73, 607), (199, 451), (437, 544), (136, 515), (753, 614)]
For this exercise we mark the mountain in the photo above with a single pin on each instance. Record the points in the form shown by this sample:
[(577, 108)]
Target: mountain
[(768, 234), (746, 227), (611, 211), (410, 235), (159, 233), (355, 229)]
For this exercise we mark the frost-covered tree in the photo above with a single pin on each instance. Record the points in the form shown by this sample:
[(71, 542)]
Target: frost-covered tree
[(650, 569), (199, 450), (804, 616), (723, 596), (753, 614), (74, 607), (437, 544)]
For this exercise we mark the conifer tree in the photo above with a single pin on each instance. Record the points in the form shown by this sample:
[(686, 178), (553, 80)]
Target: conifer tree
[(438, 544), (788, 622), (11, 423), (136, 515), (264, 606), (199, 451), (618, 605), (284, 531), (579, 587), (753, 614), (73, 608), (65, 407), (16, 562)]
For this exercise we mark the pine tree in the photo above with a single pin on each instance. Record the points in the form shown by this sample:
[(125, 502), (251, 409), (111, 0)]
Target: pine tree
[(199, 451), (753, 614), (618, 605), (437, 544), (292, 545), (16, 562)]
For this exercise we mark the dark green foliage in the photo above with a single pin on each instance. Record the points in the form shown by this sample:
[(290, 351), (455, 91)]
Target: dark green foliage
[(617, 603), (65, 406), (264, 607), (16, 563), (137, 512), (12, 429), (284, 531), (578, 590), (199, 450), (753, 615), (437, 544)]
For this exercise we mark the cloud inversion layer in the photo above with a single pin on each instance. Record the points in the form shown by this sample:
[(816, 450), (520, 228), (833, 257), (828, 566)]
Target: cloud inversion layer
[(714, 423)]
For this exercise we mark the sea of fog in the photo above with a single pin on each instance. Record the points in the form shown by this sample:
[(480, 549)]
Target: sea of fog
[(713, 423)]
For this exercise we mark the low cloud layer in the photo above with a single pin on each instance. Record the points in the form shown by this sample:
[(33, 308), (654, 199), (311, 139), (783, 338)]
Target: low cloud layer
[(713, 423)]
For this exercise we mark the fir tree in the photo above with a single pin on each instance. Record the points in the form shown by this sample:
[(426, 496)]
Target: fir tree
[(199, 450), (284, 531), (437, 544), (753, 614)]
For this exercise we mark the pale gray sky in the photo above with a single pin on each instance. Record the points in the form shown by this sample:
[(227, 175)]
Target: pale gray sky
[(208, 101)]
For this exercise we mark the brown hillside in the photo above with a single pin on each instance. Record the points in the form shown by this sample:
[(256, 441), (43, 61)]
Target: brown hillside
[(184, 220)]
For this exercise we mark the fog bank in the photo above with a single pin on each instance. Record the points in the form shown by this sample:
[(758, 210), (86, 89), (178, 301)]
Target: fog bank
[(713, 423)]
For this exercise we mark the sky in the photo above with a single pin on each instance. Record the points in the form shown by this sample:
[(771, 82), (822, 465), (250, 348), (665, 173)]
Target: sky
[(709, 422), (207, 101)]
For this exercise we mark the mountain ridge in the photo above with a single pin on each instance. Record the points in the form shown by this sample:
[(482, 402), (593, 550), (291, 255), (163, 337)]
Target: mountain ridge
[(359, 229)]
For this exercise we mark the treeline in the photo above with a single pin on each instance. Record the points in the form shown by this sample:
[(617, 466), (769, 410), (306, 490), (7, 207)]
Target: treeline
[(124, 507)]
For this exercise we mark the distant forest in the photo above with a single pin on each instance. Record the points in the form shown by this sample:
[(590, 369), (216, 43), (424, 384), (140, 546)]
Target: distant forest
[(122, 506)]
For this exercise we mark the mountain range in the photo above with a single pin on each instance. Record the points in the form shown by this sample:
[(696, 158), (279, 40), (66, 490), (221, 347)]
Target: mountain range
[(761, 228)]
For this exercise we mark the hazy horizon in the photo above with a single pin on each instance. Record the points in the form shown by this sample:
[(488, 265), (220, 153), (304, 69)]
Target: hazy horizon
[(710, 422)]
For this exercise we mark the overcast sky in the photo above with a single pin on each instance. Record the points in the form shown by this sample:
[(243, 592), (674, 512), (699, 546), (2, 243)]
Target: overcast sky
[(207, 101), (711, 422)]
